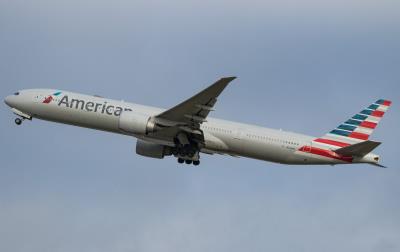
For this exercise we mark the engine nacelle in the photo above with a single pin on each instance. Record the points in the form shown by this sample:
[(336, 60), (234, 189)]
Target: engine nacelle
[(136, 123), (148, 149)]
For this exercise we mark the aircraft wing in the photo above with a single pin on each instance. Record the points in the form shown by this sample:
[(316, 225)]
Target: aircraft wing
[(189, 114)]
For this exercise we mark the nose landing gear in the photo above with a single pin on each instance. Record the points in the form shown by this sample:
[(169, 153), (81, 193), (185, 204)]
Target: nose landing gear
[(18, 121)]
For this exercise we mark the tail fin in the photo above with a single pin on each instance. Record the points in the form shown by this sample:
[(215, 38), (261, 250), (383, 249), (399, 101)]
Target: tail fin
[(358, 128)]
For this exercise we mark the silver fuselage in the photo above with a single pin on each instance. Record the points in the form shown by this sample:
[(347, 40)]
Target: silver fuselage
[(221, 136)]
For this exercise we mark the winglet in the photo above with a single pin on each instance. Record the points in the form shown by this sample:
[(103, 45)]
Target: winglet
[(229, 79)]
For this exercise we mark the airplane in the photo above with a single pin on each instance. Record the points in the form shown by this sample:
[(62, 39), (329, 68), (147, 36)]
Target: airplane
[(185, 130)]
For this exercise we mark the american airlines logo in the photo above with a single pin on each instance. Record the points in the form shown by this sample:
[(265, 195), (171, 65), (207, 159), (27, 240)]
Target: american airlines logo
[(49, 98), (103, 108)]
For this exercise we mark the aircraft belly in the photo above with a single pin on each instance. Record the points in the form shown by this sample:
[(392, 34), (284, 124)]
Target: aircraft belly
[(264, 151)]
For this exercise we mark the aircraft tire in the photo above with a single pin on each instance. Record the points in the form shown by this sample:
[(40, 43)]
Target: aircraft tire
[(18, 121)]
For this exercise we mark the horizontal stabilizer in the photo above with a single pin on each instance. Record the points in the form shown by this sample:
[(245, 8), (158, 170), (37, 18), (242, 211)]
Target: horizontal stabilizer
[(379, 165), (358, 149)]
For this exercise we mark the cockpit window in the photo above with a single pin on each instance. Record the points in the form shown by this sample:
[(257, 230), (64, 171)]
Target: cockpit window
[(16, 93)]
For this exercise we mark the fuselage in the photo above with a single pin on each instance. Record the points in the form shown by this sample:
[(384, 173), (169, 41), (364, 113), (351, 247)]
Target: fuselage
[(221, 136)]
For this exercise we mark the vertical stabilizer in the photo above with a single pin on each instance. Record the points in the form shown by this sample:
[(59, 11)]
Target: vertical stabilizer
[(358, 128)]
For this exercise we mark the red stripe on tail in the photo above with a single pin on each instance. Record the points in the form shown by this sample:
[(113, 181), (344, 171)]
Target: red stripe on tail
[(370, 125), (331, 142), (359, 135), (378, 113), (387, 103)]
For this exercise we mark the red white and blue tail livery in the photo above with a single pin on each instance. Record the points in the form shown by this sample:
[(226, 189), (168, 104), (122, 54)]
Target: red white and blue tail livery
[(349, 141), (359, 127)]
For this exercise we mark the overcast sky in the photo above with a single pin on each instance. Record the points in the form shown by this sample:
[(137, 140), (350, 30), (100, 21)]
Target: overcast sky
[(302, 66)]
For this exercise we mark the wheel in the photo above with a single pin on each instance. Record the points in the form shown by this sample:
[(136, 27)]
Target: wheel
[(180, 160), (196, 163), (188, 161), (18, 121)]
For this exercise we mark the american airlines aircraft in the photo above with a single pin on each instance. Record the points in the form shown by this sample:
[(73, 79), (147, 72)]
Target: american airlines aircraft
[(185, 130)]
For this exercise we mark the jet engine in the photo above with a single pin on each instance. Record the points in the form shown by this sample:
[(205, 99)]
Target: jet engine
[(135, 123), (152, 150)]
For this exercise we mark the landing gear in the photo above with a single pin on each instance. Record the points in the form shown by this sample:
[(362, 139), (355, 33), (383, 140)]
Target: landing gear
[(18, 121), (188, 161), (186, 150), (191, 153)]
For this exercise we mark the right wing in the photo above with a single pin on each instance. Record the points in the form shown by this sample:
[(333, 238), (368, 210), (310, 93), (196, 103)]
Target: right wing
[(183, 121), (194, 111)]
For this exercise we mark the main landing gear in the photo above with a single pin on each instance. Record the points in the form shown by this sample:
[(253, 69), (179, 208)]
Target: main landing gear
[(188, 161), (187, 154), (186, 149)]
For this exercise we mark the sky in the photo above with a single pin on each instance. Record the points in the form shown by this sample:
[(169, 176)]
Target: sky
[(303, 66)]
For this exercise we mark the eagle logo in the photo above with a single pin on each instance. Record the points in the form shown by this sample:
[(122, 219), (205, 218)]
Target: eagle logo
[(49, 98)]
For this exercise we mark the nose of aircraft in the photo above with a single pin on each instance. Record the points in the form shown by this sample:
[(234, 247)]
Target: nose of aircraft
[(7, 100), (11, 101)]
